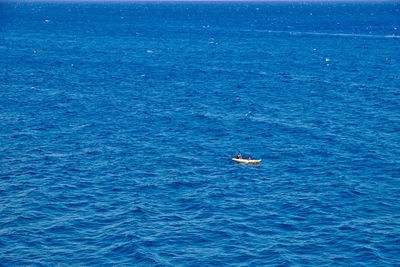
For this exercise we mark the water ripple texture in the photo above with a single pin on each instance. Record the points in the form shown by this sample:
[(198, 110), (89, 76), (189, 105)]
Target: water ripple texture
[(118, 123)]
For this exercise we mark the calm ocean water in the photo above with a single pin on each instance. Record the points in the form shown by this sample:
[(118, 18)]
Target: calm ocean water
[(118, 123)]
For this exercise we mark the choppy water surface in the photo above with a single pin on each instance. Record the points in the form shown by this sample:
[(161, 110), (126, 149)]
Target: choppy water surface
[(118, 123)]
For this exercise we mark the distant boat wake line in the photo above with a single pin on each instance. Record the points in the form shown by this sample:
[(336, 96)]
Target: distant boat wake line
[(335, 34)]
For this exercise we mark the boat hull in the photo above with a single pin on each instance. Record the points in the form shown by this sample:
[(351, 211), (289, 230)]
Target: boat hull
[(247, 160)]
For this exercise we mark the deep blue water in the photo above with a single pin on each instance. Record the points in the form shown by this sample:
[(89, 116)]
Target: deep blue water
[(118, 123)]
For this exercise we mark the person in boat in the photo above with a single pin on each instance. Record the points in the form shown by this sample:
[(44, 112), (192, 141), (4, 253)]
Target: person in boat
[(249, 158), (239, 156)]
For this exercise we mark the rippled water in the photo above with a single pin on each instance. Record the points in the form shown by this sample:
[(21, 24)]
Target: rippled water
[(118, 123)]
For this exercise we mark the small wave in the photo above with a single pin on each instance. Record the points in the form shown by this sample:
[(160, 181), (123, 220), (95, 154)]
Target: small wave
[(357, 35)]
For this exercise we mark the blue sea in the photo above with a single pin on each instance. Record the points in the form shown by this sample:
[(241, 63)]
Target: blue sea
[(119, 122)]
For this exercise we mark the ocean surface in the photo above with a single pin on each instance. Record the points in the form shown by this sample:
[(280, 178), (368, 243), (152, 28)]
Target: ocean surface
[(118, 123)]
